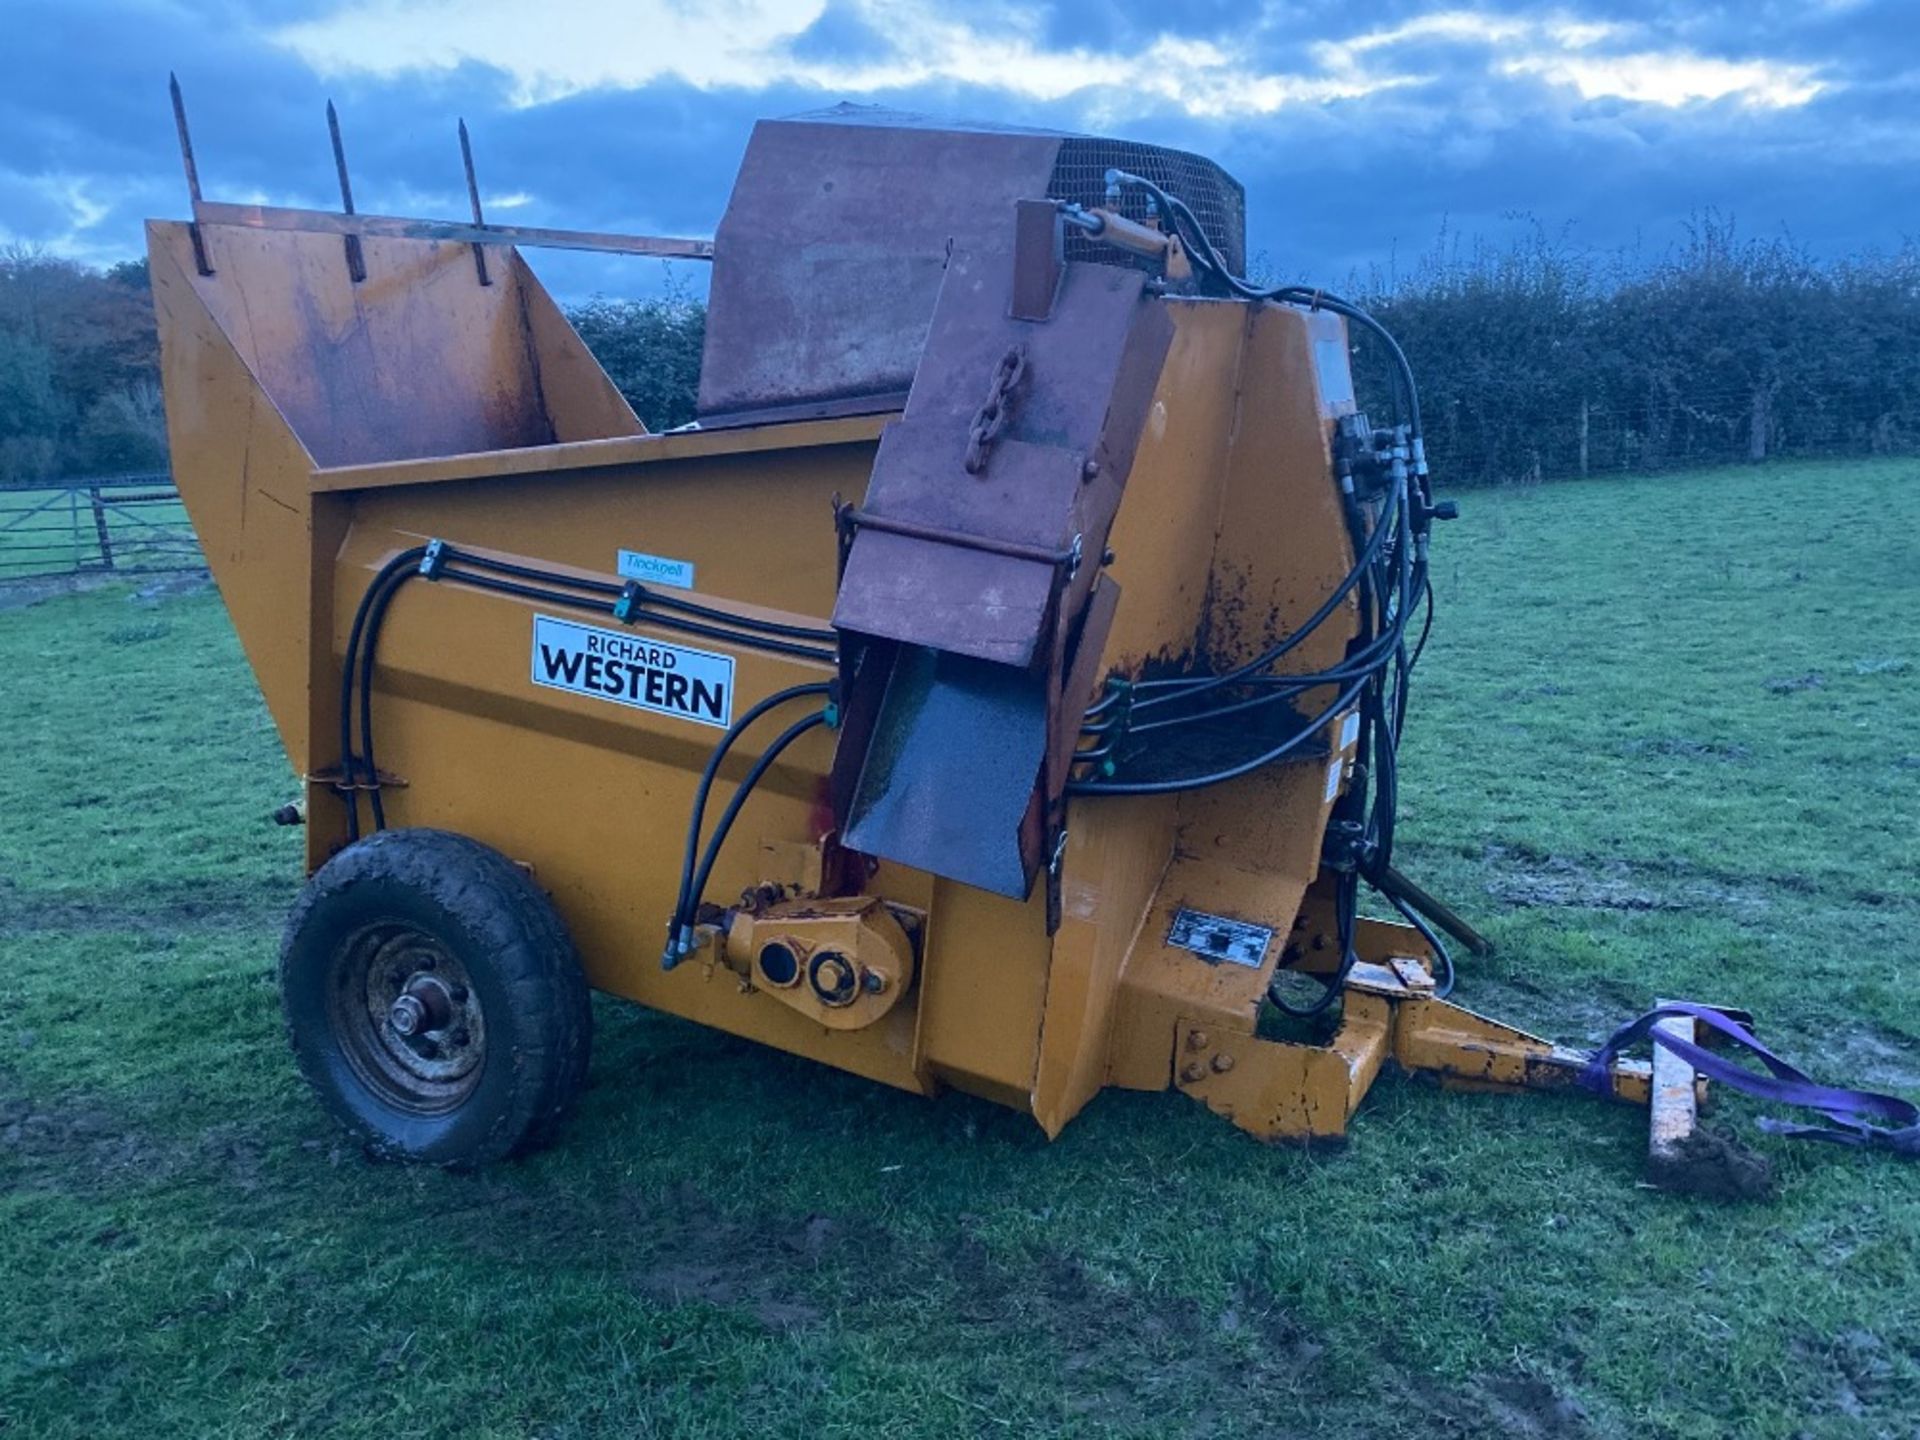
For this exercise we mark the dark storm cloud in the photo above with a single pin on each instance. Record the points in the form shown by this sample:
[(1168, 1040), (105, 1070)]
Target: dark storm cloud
[(86, 143)]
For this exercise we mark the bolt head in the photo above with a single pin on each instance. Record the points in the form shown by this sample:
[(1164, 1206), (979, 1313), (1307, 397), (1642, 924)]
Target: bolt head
[(1222, 1064), (1196, 1040)]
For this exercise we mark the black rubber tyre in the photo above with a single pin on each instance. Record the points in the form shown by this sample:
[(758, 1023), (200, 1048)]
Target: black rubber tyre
[(483, 1056)]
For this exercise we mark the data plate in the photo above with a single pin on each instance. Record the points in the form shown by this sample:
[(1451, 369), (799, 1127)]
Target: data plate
[(1220, 938)]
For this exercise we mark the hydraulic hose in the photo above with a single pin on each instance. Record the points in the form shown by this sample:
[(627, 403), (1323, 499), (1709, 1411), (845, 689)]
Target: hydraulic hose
[(678, 941), (443, 562), (682, 898), (400, 565)]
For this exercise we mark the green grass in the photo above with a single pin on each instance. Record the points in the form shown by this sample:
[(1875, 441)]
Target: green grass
[(1622, 764)]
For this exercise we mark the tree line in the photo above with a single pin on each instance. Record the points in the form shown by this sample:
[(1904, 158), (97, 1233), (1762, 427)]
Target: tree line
[(79, 370), (1536, 360), (1542, 360)]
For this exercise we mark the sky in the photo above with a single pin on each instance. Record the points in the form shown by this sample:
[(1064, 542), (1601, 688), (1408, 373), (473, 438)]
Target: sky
[(1366, 135)]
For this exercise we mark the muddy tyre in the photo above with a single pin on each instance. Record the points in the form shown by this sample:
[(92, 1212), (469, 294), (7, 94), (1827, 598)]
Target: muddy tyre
[(434, 1000)]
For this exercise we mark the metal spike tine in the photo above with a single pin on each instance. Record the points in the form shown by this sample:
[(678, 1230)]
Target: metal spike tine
[(473, 195), (356, 260), (200, 262), (339, 158)]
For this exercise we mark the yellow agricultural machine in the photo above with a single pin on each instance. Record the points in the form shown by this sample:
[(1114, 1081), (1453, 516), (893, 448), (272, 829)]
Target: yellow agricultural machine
[(997, 687)]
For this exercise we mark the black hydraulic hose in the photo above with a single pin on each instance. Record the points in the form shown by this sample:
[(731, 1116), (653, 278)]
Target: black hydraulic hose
[(651, 598), (719, 837), (1368, 663), (1201, 247), (348, 769), (1384, 710), (744, 622), (712, 768), (1346, 908), (1194, 685), (1426, 627), (530, 572), (1370, 660), (1200, 782), (670, 622), (1390, 882), (363, 642), (1386, 644), (374, 618)]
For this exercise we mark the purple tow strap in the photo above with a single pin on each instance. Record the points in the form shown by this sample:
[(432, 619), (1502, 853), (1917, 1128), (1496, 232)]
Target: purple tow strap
[(1852, 1112)]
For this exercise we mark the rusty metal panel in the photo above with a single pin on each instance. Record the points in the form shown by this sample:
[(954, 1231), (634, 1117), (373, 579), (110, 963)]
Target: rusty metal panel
[(1073, 426), (955, 597), (418, 361), (828, 260), (979, 541)]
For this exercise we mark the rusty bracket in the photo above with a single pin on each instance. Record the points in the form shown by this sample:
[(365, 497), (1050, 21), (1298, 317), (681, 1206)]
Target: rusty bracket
[(332, 779), (851, 518)]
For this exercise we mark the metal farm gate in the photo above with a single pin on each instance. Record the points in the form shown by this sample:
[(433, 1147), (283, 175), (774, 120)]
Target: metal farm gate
[(130, 524)]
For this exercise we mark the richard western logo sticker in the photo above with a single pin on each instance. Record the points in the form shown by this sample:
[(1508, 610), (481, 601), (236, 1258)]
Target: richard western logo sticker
[(633, 670)]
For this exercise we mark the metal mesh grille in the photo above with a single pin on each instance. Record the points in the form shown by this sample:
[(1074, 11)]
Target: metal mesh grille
[(1216, 198)]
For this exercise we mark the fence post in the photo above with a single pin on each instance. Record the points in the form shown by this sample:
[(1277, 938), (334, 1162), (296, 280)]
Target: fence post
[(100, 527)]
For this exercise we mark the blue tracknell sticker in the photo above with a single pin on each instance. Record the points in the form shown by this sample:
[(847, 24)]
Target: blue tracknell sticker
[(656, 569), (634, 670)]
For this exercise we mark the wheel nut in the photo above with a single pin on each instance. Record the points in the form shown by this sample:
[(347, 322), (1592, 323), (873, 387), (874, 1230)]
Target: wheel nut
[(408, 1016)]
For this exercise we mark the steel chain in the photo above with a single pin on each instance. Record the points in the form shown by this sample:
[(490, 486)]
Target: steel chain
[(997, 409)]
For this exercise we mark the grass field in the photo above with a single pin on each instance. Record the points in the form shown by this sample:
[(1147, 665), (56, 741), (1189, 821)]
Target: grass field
[(1667, 741)]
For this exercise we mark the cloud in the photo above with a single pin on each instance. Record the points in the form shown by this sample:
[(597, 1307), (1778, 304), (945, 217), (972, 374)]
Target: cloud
[(863, 47), (1673, 79), (1359, 131), (897, 45)]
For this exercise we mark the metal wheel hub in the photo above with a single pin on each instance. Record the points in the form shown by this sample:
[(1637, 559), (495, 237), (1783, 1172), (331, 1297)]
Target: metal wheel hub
[(424, 1005), (407, 1018)]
